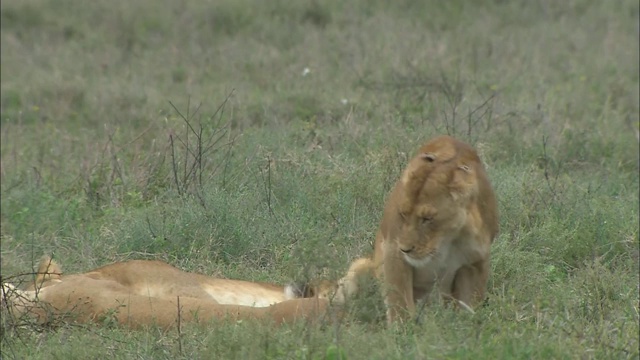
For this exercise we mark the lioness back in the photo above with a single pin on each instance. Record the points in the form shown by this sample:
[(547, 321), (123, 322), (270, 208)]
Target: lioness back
[(159, 279)]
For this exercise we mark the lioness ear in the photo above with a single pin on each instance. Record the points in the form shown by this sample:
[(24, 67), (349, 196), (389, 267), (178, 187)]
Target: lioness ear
[(415, 171), (463, 184), (430, 157), (48, 269)]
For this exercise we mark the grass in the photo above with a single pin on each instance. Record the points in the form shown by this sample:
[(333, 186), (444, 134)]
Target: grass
[(300, 162)]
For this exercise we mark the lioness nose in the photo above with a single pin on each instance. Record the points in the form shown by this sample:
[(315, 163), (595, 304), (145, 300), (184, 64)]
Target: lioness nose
[(406, 251)]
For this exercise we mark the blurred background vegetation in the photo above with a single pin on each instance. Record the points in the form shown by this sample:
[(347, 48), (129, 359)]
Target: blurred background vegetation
[(257, 140)]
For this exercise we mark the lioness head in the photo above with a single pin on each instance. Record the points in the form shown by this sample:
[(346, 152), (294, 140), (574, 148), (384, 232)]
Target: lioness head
[(432, 199), (49, 272)]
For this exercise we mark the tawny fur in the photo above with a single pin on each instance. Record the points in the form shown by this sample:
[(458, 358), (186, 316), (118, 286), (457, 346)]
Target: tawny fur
[(435, 234), (140, 293), (159, 279), (348, 286)]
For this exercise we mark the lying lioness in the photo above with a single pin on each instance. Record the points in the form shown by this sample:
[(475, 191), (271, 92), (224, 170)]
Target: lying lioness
[(139, 293)]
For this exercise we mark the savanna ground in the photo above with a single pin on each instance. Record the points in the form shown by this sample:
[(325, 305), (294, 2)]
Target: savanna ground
[(191, 132)]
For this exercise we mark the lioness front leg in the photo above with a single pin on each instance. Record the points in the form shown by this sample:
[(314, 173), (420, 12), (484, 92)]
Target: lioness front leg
[(470, 283), (398, 288)]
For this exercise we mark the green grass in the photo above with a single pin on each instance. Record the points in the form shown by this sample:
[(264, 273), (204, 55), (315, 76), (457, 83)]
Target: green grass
[(546, 90)]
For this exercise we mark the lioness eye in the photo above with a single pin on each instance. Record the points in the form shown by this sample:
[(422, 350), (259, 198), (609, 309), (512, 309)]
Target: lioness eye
[(402, 215), (426, 219)]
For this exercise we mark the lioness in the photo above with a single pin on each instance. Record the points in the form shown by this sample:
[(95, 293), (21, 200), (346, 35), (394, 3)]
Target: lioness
[(159, 279), (436, 231), (138, 293)]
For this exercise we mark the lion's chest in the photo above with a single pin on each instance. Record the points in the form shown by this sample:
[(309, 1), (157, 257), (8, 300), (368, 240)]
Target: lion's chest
[(441, 270)]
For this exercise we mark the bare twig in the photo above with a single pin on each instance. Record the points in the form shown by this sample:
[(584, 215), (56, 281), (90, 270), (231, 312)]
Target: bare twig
[(179, 328), (419, 89), (269, 184), (153, 234), (486, 109), (545, 162), (190, 167), (175, 168)]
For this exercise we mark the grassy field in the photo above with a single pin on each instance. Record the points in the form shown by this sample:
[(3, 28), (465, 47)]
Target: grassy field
[(258, 139)]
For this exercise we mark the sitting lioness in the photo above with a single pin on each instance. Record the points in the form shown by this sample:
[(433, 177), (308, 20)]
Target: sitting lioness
[(436, 232), (139, 293)]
